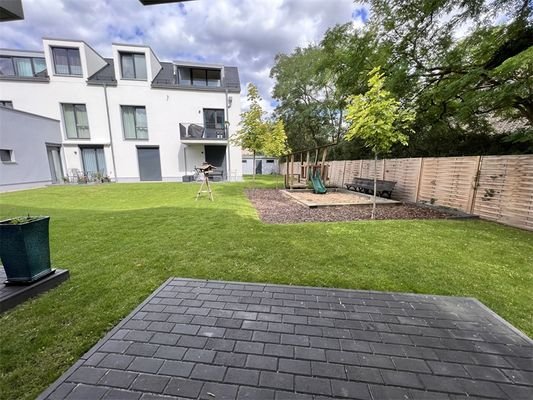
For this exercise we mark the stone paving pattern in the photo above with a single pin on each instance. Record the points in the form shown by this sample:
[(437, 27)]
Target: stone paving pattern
[(219, 340)]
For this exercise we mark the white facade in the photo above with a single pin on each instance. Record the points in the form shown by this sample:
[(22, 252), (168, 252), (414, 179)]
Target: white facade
[(263, 165), (167, 104)]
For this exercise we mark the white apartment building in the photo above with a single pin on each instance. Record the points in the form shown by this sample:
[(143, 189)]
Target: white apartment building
[(130, 117)]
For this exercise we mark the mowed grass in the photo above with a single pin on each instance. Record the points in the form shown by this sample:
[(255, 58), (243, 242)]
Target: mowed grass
[(121, 241)]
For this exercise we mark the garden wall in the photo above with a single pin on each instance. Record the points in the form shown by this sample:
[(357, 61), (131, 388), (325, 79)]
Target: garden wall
[(497, 188)]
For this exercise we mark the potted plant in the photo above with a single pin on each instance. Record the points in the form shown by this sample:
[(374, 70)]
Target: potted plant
[(25, 248)]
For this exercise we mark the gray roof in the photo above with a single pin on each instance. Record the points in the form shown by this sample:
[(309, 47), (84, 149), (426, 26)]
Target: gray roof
[(104, 76), (165, 79)]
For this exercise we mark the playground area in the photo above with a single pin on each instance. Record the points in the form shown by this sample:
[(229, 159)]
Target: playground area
[(276, 207), (334, 198)]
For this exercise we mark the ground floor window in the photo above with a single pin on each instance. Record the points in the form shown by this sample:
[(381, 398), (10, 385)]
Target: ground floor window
[(93, 161)]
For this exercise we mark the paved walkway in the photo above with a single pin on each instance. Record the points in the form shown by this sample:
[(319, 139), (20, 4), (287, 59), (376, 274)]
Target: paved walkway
[(220, 340)]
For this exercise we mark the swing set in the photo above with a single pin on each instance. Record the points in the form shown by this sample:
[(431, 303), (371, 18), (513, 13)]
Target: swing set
[(312, 169)]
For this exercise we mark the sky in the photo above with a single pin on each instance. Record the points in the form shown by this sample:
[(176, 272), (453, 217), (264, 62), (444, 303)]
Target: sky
[(243, 33)]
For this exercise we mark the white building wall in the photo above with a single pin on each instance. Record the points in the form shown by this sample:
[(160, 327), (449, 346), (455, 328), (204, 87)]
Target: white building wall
[(165, 109)]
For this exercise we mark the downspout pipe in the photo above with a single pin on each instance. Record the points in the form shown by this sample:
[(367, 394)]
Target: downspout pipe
[(227, 133), (110, 134)]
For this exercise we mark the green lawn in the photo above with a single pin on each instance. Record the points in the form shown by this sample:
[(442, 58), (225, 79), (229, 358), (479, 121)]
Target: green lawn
[(121, 241)]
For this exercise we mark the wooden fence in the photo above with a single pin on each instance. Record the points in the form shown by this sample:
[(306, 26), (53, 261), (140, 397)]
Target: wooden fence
[(497, 188)]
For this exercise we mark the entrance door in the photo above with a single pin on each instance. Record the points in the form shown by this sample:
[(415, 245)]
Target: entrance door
[(54, 161), (149, 163), (216, 156), (258, 167)]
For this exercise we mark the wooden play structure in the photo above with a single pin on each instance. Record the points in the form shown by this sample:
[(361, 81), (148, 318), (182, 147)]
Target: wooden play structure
[(308, 166)]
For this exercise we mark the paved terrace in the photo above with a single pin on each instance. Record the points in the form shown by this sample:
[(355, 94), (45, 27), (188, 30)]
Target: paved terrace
[(220, 340)]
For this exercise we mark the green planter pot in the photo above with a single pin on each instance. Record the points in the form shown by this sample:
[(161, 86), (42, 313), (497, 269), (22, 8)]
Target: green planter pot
[(25, 249)]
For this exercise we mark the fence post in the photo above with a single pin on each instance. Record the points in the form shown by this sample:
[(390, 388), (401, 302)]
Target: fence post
[(360, 169), (473, 191), (343, 174), (383, 170), (419, 179)]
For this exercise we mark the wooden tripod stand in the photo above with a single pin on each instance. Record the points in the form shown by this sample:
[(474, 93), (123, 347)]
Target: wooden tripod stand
[(205, 170)]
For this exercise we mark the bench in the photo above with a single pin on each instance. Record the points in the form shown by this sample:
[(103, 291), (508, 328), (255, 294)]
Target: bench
[(365, 185)]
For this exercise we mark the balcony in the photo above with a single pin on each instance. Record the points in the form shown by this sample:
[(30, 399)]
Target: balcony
[(191, 132)]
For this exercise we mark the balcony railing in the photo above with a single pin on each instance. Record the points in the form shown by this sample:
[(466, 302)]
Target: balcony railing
[(191, 131)]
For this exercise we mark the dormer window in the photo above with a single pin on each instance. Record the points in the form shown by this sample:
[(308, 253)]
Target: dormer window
[(66, 61), (198, 77), (21, 66), (133, 66)]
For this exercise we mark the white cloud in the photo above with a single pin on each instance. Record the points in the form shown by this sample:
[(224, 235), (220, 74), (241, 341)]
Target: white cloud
[(244, 33)]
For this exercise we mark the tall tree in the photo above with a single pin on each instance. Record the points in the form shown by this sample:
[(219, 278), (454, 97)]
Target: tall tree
[(378, 119), (253, 130), (275, 143)]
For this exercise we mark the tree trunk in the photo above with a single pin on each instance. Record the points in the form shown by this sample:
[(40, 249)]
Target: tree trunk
[(253, 163), (375, 184)]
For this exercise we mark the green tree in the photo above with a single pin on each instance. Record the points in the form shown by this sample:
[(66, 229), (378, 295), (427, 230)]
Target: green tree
[(275, 143), (378, 119), (254, 129)]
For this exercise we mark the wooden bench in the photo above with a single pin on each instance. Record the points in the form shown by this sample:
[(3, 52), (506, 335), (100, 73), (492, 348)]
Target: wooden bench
[(365, 185)]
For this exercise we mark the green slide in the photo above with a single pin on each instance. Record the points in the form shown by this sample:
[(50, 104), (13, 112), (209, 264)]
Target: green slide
[(318, 185)]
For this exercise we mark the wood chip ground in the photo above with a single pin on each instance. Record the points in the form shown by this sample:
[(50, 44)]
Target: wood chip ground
[(274, 208)]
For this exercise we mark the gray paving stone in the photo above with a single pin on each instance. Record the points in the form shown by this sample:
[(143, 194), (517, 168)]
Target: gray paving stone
[(216, 340), (84, 392), (87, 375), (218, 391), (299, 367), (249, 347), (230, 359), (411, 364), (176, 368), (164, 338), (364, 374), (305, 353), (262, 362), (198, 355), (170, 352), (121, 379), (145, 364), (184, 387), (279, 350), (252, 393), (350, 390), (117, 361), (142, 349), (119, 394), (313, 385), (276, 380), (220, 344), (328, 370), (208, 372), (150, 383), (242, 376), (401, 378)]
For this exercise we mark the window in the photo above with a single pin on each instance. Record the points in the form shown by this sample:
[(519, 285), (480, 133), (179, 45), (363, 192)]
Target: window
[(76, 122), (6, 103), (244, 161), (198, 77), (21, 66), (93, 160), (133, 66), (134, 122), (270, 161), (66, 61), (6, 156), (214, 119)]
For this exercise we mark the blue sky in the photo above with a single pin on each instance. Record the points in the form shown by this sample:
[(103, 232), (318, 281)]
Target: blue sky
[(244, 33)]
